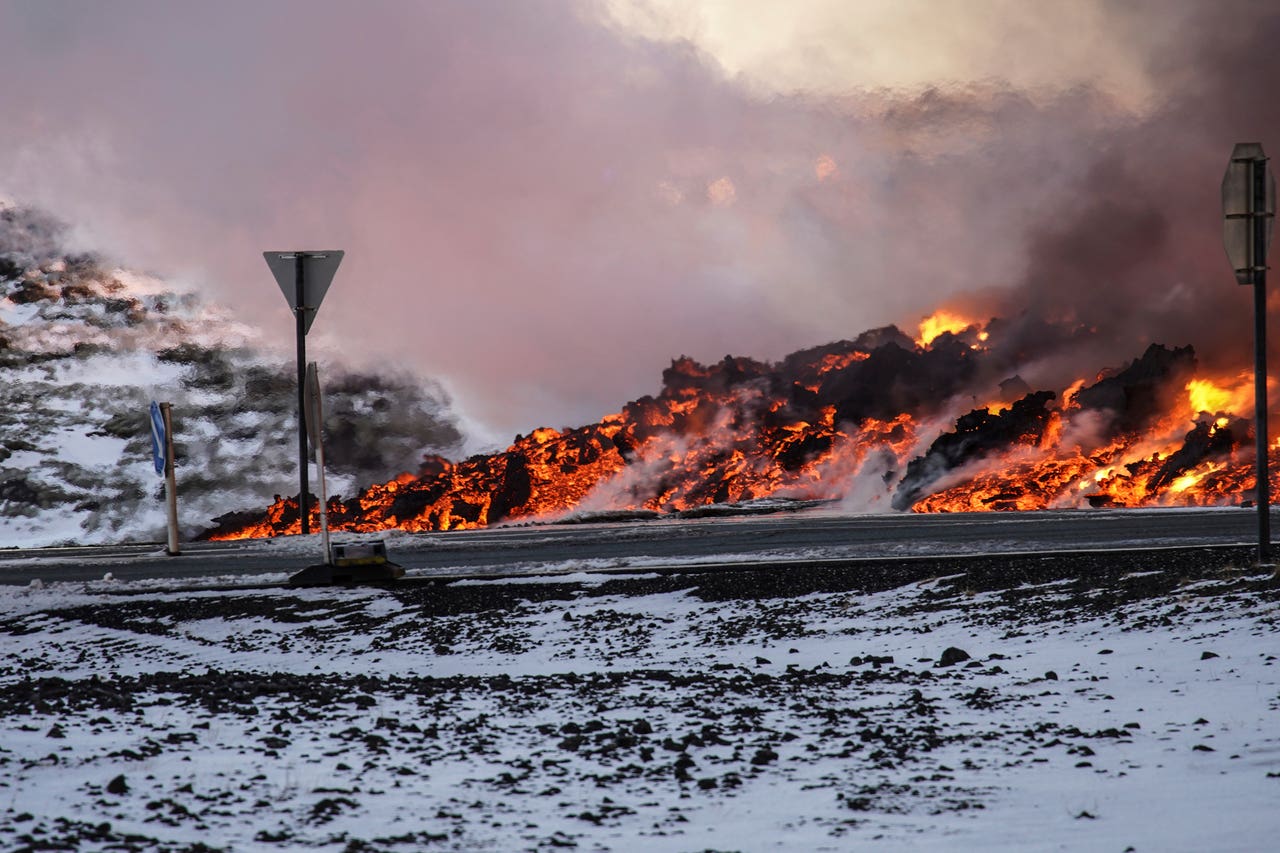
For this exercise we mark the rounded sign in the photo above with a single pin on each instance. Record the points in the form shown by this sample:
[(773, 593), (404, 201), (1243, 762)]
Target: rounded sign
[(157, 438), (1249, 209)]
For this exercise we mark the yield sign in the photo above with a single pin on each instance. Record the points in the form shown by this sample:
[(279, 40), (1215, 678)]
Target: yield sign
[(304, 278)]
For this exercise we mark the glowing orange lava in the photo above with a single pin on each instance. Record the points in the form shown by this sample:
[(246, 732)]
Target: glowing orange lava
[(878, 423), (943, 321)]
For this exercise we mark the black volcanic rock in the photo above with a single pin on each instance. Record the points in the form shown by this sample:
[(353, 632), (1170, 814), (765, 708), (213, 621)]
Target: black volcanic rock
[(9, 268), (1143, 389), (894, 379), (1205, 441), (977, 435)]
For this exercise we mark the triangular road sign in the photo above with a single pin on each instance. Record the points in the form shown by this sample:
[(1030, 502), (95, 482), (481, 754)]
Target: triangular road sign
[(318, 269)]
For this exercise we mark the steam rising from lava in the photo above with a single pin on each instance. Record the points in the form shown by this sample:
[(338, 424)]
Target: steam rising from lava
[(871, 420), (540, 208)]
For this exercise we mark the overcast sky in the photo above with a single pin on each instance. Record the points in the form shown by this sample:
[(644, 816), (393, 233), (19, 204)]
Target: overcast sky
[(542, 203)]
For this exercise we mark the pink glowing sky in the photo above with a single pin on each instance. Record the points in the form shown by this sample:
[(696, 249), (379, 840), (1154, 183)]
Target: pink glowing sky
[(542, 203)]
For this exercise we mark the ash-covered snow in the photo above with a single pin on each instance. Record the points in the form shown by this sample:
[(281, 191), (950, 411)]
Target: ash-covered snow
[(84, 348), (1109, 702)]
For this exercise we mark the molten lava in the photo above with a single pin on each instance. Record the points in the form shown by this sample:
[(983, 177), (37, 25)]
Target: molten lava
[(939, 424), (942, 321)]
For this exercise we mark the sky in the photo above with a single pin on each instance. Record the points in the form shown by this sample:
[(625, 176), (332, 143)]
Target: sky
[(542, 203)]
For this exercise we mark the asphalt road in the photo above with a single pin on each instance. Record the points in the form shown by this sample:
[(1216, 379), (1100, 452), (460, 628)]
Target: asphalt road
[(785, 538)]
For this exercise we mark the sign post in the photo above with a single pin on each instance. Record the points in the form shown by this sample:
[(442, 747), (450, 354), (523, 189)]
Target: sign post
[(315, 426), (1248, 209), (304, 278), (162, 456)]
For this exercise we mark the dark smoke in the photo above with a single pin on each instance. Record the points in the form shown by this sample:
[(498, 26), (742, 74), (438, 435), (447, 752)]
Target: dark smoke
[(526, 194), (1133, 250)]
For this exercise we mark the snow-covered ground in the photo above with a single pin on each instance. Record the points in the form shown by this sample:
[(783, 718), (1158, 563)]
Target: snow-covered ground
[(1100, 707)]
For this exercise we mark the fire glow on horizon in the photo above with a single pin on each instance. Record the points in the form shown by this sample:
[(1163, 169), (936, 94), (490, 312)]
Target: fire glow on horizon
[(542, 202), (539, 214), (877, 423)]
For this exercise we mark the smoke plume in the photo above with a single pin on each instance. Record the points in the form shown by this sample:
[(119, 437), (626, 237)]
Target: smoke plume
[(541, 207)]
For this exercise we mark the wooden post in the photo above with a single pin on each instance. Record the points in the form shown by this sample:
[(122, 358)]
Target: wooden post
[(171, 480)]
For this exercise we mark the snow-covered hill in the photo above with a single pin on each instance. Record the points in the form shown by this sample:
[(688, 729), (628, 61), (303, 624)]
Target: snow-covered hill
[(86, 345)]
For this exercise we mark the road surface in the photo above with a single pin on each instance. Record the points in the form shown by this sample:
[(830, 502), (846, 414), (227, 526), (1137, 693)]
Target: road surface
[(781, 538)]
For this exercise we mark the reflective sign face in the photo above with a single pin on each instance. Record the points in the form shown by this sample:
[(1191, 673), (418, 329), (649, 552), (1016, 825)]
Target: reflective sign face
[(1248, 193), (158, 443), (318, 269)]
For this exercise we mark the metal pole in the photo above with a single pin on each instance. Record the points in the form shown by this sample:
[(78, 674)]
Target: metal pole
[(171, 480), (1258, 174), (304, 493)]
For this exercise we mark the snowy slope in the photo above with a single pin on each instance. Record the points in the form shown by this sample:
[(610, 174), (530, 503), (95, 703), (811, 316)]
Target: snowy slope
[(85, 346)]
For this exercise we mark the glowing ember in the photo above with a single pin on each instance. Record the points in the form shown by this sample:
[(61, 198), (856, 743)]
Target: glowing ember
[(943, 321), (1234, 398)]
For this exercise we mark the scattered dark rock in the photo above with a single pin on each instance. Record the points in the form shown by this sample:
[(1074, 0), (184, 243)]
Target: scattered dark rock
[(572, 743), (952, 655), (764, 756), (328, 808), (118, 786)]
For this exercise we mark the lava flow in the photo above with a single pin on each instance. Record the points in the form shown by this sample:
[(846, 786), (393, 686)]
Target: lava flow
[(941, 423)]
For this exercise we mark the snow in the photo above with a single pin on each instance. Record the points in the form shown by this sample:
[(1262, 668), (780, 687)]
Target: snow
[(88, 346), (39, 529), (121, 370), (1089, 717)]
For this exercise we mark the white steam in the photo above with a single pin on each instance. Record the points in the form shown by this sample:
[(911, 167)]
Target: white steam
[(540, 208)]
